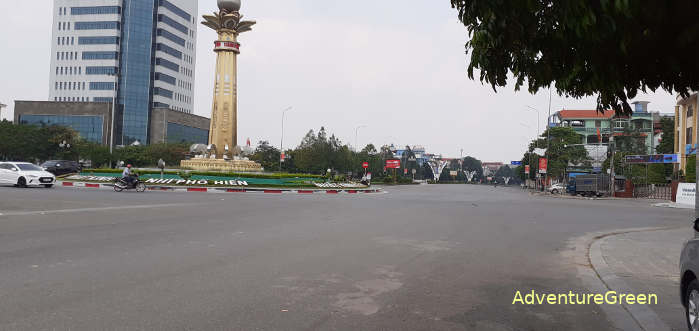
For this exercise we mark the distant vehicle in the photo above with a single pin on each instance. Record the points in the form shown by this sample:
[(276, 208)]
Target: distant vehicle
[(62, 167), (589, 185), (689, 286), (556, 188), (22, 174)]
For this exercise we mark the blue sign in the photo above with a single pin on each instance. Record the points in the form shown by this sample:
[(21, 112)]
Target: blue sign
[(657, 158), (690, 149), (517, 163)]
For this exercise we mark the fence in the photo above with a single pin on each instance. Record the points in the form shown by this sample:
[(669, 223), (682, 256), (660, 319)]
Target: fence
[(653, 191)]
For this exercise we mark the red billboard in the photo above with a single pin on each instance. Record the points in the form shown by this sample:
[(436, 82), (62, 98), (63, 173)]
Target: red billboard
[(543, 163), (526, 169), (393, 164)]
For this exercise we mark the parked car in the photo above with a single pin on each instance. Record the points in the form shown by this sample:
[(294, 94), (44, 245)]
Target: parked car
[(556, 188), (689, 285), (62, 167), (23, 174)]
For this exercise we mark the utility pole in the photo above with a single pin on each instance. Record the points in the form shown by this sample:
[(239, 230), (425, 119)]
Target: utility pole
[(548, 139), (114, 103), (281, 143)]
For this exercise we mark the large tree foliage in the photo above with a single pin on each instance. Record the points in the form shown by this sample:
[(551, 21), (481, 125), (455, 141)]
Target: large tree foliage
[(473, 164), (667, 140), (267, 155), (611, 49), (562, 150)]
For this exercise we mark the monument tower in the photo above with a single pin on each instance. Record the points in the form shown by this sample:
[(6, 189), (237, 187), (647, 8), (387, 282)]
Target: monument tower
[(223, 134), (223, 152)]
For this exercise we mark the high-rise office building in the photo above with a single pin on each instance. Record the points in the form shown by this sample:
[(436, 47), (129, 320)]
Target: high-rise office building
[(143, 52)]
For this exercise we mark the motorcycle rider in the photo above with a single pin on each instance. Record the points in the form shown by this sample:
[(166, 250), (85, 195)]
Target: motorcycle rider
[(127, 176)]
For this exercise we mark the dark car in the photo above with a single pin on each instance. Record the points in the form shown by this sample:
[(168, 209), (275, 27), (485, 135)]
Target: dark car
[(689, 285), (62, 167)]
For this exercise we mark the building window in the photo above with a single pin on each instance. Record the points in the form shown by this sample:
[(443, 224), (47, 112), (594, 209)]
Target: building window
[(688, 137), (98, 40), (98, 10), (175, 10), (167, 64), (170, 36), (163, 92), (160, 105), (100, 55), (89, 127), (168, 50), (101, 25), (100, 70), (56, 87), (102, 99), (169, 21), (165, 78), (690, 111), (72, 40), (101, 86), (177, 133)]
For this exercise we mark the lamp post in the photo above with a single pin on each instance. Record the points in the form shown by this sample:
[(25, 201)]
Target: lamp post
[(114, 102), (356, 133), (2, 105), (281, 143)]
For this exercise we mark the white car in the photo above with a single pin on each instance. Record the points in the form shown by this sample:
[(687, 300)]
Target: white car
[(556, 188), (23, 174)]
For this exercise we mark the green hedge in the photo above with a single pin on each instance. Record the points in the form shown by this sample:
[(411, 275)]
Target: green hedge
[(207, 173)]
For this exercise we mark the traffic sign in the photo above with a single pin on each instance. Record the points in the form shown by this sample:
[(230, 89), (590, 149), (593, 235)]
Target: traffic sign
[(365, 165), (517, 163)]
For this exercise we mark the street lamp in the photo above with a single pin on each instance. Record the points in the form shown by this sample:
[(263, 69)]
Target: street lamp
[(281, 143), (356, 132), (114, 101)]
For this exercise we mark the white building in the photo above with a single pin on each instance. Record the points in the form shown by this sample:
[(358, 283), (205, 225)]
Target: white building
[(150, 44)]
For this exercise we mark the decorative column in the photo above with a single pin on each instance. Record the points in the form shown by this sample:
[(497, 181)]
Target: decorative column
[(223, 133)]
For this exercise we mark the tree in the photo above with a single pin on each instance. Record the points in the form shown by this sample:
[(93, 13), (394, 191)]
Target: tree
[(503, 172), (427, 172), (584, 47), (691, 176), (473, 164), (667, 140), (266, 155), (561, 151), (656, 174)]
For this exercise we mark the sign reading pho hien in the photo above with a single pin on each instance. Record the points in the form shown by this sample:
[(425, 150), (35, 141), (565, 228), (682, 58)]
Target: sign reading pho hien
[(196, 182)]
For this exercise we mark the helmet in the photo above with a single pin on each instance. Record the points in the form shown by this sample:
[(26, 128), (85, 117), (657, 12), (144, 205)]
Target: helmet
[(128, 166)]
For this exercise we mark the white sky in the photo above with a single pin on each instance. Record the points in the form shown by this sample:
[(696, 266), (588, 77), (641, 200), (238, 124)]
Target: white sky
[(396, 66)]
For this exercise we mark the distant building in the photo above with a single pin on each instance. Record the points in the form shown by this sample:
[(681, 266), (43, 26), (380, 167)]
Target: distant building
[(490, 168), (596, 127), (143, 53), (92, 120), (686, 129)]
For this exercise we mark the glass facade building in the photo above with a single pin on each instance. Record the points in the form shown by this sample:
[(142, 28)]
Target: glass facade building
[(140, 53), (89, 127), (177, 133)]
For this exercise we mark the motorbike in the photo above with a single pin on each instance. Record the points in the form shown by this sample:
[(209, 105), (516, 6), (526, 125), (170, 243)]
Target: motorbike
[(120, 184)]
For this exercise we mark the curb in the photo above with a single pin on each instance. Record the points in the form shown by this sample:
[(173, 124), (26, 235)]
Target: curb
[(599, 277), (223, 189)]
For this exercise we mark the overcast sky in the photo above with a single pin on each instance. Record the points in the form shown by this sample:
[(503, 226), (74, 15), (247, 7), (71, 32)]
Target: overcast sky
[(396, 66)]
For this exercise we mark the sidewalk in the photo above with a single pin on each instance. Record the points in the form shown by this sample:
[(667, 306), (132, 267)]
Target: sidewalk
[(647, 262)]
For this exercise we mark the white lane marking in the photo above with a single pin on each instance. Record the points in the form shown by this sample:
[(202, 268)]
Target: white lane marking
[(80, 210)]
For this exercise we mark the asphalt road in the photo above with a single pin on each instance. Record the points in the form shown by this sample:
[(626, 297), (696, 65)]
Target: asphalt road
[(437, 257)]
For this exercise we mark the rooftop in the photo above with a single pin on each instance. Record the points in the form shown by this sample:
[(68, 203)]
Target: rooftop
[(586, 113)]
